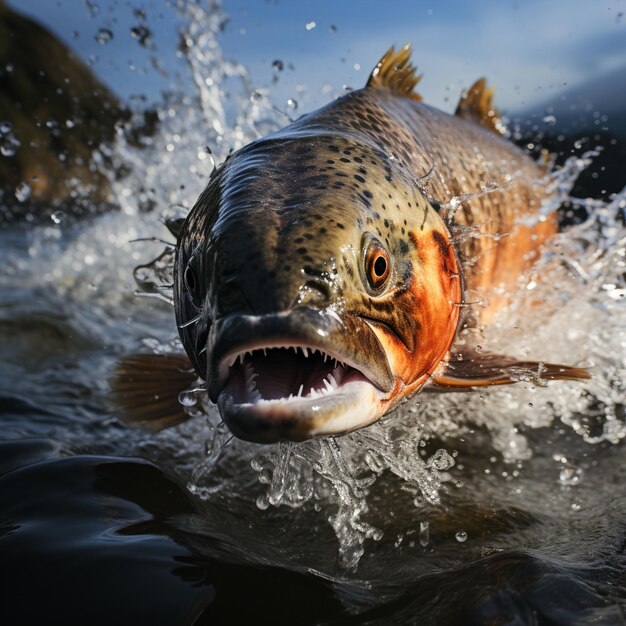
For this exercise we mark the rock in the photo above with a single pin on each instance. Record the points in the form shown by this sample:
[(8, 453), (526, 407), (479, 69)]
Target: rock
[(53, 114)]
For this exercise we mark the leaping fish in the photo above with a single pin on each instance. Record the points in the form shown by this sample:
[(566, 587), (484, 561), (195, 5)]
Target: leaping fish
[(320, 278)]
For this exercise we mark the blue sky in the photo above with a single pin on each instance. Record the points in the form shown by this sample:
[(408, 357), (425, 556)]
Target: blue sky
[(528, 49)]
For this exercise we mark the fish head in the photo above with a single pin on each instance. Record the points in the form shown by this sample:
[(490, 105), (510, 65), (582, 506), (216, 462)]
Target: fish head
[(315, 287)]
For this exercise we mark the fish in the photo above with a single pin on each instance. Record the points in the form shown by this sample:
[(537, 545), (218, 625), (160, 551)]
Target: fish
[(324, 274)]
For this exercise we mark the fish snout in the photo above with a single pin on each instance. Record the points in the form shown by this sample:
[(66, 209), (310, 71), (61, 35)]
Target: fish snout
[(296, 374)]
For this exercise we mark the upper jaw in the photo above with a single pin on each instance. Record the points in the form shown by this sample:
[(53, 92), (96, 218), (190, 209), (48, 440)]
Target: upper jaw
[(339, 356)]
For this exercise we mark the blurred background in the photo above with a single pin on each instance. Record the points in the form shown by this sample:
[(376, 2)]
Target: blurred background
[(71, 69)]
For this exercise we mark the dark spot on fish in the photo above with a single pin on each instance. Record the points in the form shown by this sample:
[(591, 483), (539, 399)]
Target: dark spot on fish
[(403, 246), (441, 243), (340, 225), (386, 223), (367, 193), (344, 160), (359, 178), (301, 250)]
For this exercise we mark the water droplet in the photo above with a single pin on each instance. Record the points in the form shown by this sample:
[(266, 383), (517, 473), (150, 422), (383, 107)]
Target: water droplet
[(103, 36), (550, 120), (9, 145), (57, 217), (5, 127), (93, 7), (187, 398), (461, 536), (478, 349), (292, 104), (142, 34), (262, 503), (424, 534), (310, 25), (570, 476), (22, 191), (278, 65), (441, 460), (332, 28)]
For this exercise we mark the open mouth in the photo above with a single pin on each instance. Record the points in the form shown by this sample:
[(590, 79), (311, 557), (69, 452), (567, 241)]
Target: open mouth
[(288, 374), (269, 388)]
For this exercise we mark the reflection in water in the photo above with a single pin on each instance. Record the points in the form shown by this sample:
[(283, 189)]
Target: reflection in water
[(456, 509)]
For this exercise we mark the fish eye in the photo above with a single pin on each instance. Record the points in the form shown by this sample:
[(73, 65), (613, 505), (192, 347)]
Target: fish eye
[(377, 265), (190, 280)]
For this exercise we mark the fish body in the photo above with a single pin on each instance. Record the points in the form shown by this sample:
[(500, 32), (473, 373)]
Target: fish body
[(322, 275)]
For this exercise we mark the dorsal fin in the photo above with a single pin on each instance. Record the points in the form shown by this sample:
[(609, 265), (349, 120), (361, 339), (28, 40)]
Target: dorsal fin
[(475, 106), (396, 73)]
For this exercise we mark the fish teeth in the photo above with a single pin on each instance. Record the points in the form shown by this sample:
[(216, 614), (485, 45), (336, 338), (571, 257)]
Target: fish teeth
[(300, 390)]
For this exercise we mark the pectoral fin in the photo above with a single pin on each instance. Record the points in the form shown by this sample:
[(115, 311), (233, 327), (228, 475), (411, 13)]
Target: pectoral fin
[(146, 386), (469, 369)]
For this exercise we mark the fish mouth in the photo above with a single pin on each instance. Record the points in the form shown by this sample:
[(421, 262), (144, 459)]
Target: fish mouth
[(296, 375)]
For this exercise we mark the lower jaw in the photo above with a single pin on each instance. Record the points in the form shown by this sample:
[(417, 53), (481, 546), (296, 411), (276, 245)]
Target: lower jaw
[(298, 420)]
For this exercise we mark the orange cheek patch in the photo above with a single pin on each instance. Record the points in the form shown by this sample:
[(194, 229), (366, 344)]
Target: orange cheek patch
[(437, 288)]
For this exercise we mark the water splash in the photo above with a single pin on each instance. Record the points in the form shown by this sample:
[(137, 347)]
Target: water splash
[(578, 285), (570, 308)]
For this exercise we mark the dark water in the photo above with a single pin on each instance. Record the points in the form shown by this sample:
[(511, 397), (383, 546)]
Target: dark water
[(504, 509)]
